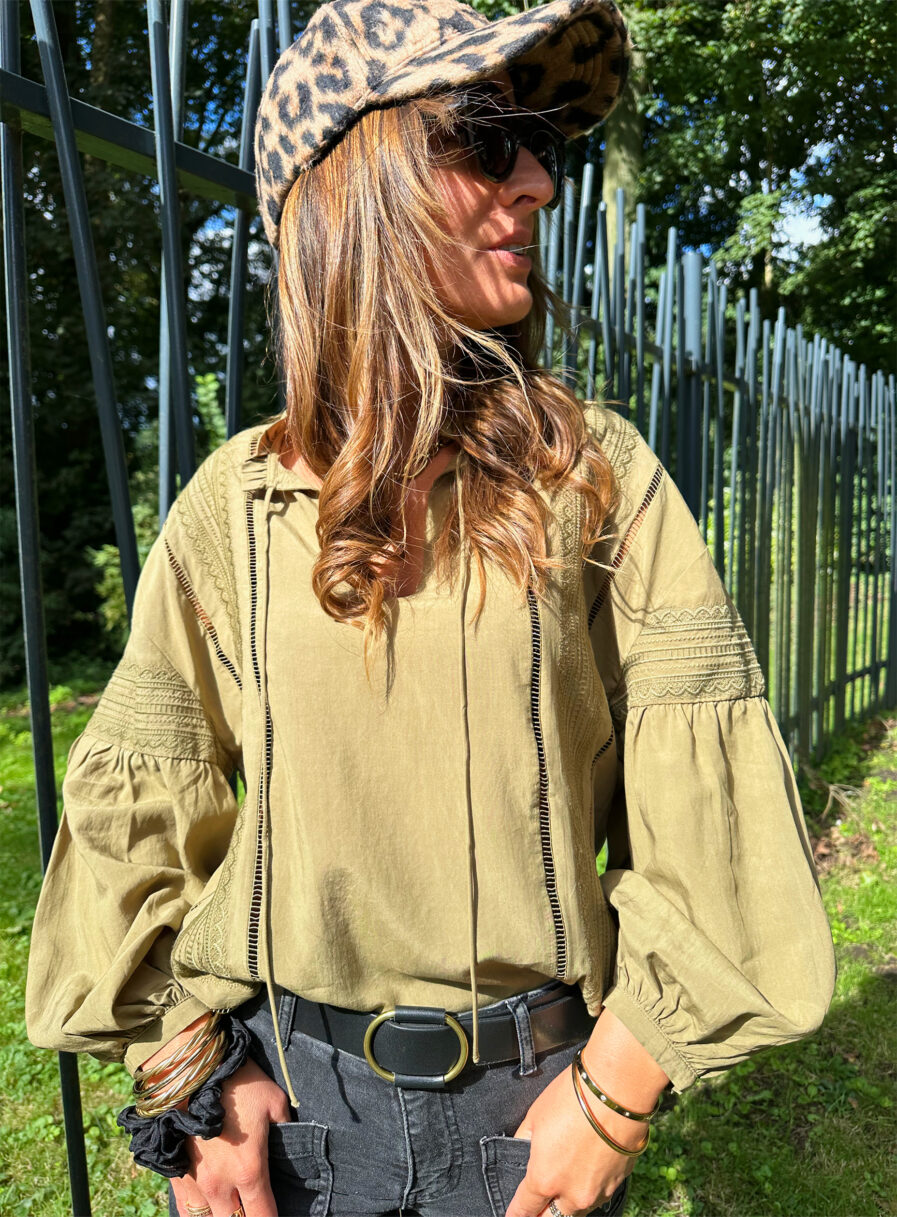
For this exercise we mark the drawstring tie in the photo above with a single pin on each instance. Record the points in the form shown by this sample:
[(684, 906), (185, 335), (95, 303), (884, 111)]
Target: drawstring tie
[(263, 565), (471, 846)]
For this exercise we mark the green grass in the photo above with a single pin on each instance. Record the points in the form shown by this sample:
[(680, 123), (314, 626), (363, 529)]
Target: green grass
[(806, 1130)]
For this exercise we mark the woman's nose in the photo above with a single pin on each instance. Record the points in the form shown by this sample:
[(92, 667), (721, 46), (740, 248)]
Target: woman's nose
[(528, 178)]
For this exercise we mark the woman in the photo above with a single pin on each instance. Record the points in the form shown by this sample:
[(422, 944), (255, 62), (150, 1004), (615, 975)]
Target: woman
[(403, 925)]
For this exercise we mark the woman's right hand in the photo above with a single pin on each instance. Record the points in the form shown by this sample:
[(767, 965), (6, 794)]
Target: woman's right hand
[(232, 1169)]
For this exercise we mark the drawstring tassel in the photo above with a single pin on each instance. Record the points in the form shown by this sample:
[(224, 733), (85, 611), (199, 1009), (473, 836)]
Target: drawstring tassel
[(471, 847)]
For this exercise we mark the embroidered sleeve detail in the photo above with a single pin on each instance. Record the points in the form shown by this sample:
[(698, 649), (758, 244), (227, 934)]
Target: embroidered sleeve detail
[(626, 544), (619, 441), (152, 710), (203, 512), (690, 655), (577, 677), (201, 615)]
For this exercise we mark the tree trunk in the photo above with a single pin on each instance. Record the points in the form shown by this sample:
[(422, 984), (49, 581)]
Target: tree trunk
[(623, 151)]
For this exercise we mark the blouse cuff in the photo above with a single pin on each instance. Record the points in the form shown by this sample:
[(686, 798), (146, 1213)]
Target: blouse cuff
[(157, 1142), (162, 1029), (650, 1036)]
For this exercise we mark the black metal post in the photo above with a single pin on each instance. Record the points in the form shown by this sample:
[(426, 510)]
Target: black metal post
[(89, 286)]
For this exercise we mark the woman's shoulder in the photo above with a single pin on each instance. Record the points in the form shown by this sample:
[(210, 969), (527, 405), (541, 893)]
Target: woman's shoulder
[(635, 465), (219, 481)]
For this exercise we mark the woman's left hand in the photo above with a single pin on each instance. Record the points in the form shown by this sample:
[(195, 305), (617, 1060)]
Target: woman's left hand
[(569, 1163)]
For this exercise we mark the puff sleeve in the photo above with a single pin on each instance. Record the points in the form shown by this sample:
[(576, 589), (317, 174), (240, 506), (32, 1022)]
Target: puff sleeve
[(147, 808), (723, 943)]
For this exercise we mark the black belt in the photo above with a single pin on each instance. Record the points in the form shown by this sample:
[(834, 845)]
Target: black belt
[(425, 1047)]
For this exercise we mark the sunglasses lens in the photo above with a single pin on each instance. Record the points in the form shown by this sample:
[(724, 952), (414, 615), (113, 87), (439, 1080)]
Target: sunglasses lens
[(496, 150), (496, 144), (549, 152)]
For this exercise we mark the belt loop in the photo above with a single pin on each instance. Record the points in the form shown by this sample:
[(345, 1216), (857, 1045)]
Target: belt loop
[(520, 1011), (286, 1013)]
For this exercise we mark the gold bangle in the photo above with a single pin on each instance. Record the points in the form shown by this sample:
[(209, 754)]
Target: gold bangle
[(162, 1080), (170, 1096), (601, 1094), (162, 1105), (173, 1080), (606, 1137), (163, 1099), (206, 1028)]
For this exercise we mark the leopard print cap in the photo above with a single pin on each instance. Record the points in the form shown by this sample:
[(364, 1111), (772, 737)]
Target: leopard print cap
[(568, 59)]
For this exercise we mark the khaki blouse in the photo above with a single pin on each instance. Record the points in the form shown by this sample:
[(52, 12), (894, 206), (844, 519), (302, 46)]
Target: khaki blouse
[(431, 838)]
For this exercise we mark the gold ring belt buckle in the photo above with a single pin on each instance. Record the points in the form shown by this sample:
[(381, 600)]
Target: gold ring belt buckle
[(387, 1074)]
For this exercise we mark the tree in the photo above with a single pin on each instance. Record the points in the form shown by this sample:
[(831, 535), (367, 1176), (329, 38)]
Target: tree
[(106, 58), (755, 106)]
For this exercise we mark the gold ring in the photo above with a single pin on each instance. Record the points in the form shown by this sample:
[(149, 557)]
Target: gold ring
[(239, 1213), (205, 1211)]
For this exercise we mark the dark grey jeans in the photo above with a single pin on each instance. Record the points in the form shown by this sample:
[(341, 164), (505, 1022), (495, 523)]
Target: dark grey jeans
[(363, 1147)]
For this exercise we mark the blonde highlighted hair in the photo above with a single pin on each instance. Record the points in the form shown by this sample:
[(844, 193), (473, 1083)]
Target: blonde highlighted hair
[(377, 372)]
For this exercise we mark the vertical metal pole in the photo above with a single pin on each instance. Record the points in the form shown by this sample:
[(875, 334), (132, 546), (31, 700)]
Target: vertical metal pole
[(268, 44), (28, 534), (89, 288), (233, 383), (704, 394), (689, 425), (585, 203), (639, 292), (568, 355), (717, 320), (618, 298), (673, 293), (554, 240), (737, 474), (657, 369), (284, 26), (172, 266), (891, 467), (177, 52)]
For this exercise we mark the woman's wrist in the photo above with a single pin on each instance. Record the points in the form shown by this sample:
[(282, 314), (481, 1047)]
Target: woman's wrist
[(619, 1064), (176, 1042)]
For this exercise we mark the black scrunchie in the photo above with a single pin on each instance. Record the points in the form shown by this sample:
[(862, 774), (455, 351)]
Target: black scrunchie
[(158, 1141)]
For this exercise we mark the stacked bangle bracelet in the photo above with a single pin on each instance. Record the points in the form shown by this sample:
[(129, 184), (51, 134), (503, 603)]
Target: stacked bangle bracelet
[(167, 1083), (581, 1078), (602, 1095)]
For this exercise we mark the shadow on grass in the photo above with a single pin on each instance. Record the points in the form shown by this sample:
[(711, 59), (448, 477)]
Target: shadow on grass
[(806, 1129)]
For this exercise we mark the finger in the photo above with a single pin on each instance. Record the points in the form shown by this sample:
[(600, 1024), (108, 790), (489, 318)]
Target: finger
[(529, 1200), (190, 1199), (220, 1196), (565, 1205), (259, 1202)]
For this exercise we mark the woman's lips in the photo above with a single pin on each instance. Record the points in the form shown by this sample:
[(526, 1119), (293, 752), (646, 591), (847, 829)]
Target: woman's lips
[(512, 259)]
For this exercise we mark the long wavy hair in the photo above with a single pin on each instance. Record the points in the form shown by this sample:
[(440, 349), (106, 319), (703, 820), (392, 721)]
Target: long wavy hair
[(377, 372)]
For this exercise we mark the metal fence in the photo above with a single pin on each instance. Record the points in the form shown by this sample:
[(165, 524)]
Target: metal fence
[(783, 447)]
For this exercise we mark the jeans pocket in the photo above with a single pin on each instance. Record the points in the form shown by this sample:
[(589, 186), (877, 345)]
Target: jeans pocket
[(505, 1160), (300, 1168)]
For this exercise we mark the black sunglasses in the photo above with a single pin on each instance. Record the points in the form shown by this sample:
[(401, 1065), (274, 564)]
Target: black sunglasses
[(496, 135)]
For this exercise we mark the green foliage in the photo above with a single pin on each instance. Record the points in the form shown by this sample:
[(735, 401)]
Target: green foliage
[(749, 107), (144, 485), (105, 54)]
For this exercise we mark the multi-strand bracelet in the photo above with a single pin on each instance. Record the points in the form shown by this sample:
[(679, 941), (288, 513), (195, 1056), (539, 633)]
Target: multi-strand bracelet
[(180, 1096), (582, 1078), (167, 1083)]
